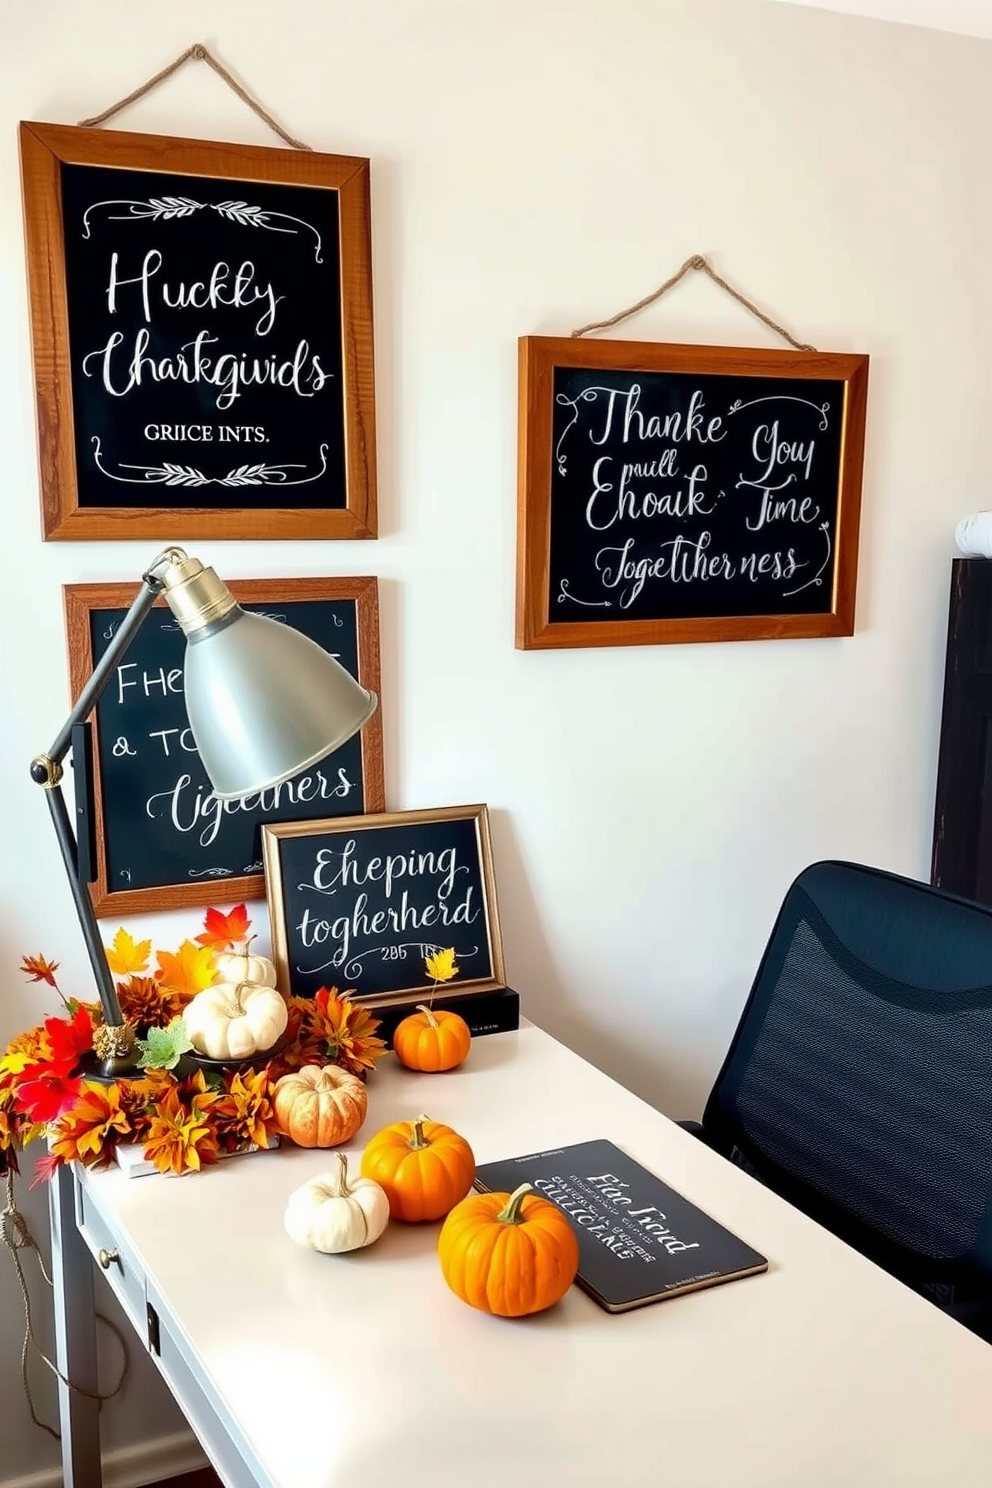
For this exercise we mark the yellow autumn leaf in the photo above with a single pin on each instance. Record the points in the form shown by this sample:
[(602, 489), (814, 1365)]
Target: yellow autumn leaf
[(441, 966), (15, 1064), (128, 955), (188, 971)]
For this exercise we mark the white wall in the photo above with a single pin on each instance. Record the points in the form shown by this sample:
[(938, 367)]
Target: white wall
[(536, 165), (971, 17)]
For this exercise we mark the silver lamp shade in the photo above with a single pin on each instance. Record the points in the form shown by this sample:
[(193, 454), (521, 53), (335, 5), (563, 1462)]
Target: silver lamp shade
[(264, 701)]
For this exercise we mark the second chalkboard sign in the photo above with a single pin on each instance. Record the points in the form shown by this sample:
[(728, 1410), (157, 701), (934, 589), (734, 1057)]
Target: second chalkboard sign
[(686, 493), (163, 839), (360, 903)]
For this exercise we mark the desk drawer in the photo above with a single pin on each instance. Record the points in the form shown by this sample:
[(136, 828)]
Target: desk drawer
[(219, 1436), (116, 1264)]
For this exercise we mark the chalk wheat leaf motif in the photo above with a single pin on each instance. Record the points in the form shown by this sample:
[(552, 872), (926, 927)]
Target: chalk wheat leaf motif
[(245, 475), (240, 211), (183, 475), (173, 206)]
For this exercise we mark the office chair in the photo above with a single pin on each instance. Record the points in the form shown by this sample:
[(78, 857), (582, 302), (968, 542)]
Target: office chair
[(859, 1081)]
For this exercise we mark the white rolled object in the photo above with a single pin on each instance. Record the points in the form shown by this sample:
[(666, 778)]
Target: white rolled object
[(973, 535)]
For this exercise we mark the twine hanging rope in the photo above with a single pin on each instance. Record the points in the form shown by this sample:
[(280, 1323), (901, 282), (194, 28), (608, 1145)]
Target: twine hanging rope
[(196, 53), (17, 1237), (697, 261)]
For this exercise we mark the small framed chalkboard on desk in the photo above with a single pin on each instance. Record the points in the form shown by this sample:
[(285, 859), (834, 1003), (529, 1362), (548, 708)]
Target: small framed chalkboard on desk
[(201, 318), (686, 493), (163, 839), (359, 903)]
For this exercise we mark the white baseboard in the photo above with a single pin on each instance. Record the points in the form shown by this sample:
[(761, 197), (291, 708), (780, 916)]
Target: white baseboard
[(132, 1467)]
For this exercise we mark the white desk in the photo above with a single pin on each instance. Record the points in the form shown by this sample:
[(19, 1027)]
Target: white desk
[(298, 1370)]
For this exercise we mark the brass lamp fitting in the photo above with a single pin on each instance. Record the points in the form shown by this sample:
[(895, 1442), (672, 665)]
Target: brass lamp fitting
[(196, 596), (113, 1041)]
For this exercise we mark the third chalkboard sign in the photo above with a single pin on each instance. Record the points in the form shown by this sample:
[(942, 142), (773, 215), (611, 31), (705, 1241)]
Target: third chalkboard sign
[(684, 493), (360, 903)]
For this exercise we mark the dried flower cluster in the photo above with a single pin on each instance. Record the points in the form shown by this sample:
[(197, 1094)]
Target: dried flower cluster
[(183, 1118)]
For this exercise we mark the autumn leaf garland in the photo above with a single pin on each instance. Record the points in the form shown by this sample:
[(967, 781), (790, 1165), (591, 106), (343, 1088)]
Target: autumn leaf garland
[(182, 1120)]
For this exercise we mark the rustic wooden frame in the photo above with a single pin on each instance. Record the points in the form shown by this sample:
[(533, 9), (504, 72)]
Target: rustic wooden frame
[(43, 149), (272, 836), (81, 599), (538, 358)]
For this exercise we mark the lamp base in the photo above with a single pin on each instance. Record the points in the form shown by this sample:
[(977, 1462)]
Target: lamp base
[(114, 1056), (109, 1070), (112, 1069)]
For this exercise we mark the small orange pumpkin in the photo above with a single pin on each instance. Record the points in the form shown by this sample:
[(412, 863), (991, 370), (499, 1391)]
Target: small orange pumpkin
[(424, 1167), (509, 1254), (431, 1041), (320, 1105)]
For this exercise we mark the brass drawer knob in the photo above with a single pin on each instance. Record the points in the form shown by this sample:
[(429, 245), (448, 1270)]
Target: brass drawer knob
[(107, 1258)]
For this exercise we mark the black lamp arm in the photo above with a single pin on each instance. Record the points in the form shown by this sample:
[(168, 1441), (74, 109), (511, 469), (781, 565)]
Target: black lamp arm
[(46, 771), (151, 588)]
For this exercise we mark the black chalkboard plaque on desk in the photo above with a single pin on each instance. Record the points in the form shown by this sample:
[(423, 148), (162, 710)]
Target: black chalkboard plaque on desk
[(163, 840), (202, 325), (685, 493), (359, 903)]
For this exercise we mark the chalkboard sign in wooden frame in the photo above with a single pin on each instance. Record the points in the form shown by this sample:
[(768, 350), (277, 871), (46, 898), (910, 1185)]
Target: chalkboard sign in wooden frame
[(202, 329), (163, 841), (686, 493), (358, 902)]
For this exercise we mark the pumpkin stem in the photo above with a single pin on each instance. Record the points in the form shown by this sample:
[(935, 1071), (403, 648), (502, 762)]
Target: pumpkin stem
[(423, 1008), (510, 1212), (339, 1179), (417, 1138)]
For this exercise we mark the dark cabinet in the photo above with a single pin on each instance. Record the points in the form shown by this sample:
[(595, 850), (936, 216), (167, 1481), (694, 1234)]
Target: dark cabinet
[(962, 831)]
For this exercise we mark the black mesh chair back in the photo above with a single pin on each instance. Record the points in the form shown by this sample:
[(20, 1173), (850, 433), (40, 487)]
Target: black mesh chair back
[(859, 1081)]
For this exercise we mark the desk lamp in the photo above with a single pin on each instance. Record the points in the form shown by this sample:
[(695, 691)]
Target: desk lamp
[(264, 702)]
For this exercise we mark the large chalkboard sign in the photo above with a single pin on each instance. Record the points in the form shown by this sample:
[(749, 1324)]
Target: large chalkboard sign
[(163, 839), (202, 323), (685, 493), (359, 903)]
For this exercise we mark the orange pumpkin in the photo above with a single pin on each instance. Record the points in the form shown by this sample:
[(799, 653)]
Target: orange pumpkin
[(424, 1167), (431, 1041), (320, 1106), (510, 1254)]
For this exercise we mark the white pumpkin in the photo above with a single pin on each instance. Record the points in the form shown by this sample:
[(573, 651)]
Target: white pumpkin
[(333, 1213), (242, 966), (233, 1020)]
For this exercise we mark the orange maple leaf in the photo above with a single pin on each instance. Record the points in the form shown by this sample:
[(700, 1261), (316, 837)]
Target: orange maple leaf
[(188, 971), (128, 955), (39, 969), (222, 931)]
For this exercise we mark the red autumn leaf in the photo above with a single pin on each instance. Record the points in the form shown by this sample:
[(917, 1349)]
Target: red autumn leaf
[(39, 970), (46, 1167), (69, 1038), (47, 1091), (222, 931)]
